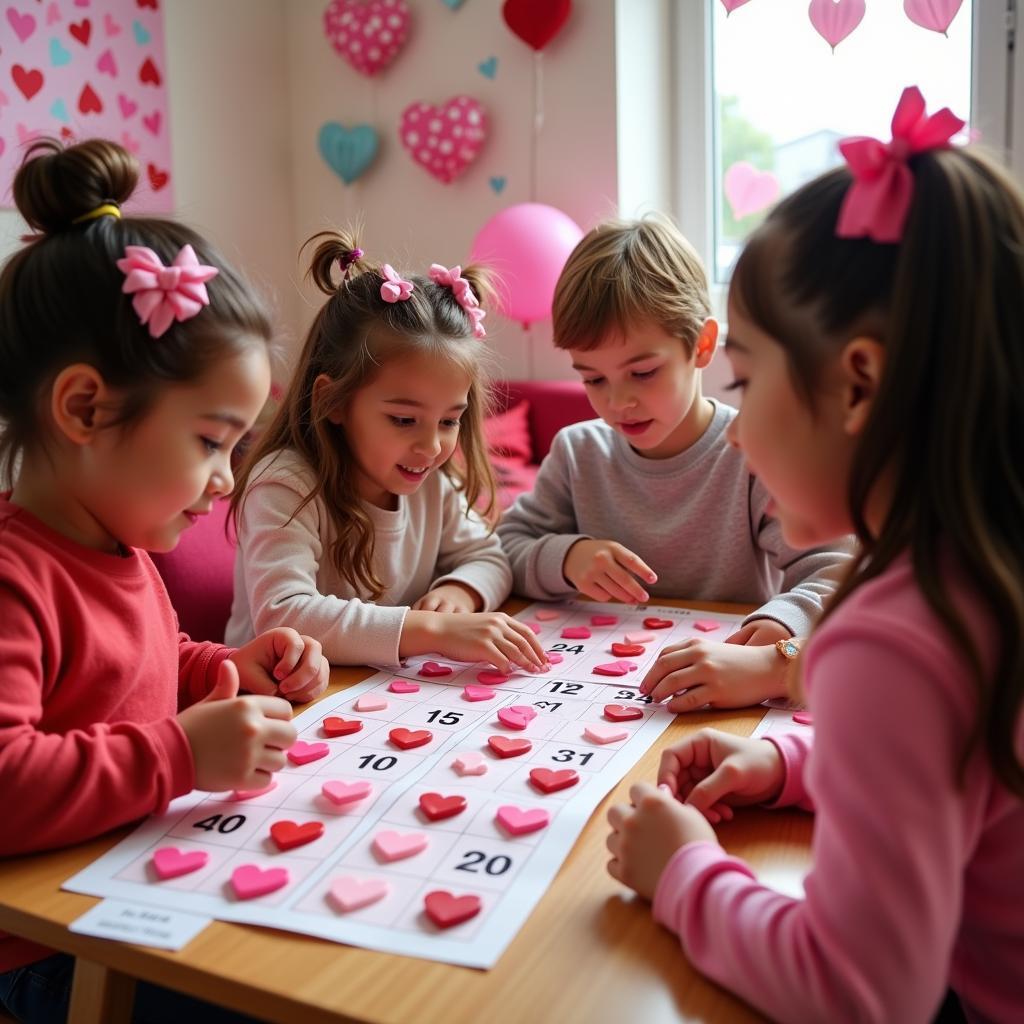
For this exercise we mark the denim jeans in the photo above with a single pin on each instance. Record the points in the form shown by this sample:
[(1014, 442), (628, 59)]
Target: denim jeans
[(40, 993)]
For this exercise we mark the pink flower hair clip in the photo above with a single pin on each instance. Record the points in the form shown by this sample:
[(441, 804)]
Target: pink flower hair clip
[(164, 294), (463, 292), (394, 288), (877, 203)]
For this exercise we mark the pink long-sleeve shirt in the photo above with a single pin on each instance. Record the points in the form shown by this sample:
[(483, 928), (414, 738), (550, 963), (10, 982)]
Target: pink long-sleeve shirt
[(917, 881), (92, 674)]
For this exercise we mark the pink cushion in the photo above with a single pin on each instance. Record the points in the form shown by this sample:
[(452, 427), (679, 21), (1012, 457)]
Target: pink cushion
[(508, 433), (553, 404)]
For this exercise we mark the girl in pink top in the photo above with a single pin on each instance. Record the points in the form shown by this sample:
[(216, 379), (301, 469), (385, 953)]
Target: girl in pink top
[(875, 326)]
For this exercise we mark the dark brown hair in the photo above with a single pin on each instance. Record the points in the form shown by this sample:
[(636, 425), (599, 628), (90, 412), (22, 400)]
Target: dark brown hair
[(948, 305), (61, 299), (354, 334)]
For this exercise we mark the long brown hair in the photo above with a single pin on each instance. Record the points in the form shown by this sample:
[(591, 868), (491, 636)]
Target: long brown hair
[(948, 305), (353, 335)]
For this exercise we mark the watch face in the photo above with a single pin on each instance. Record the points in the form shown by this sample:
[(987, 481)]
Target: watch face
[(789, 648)]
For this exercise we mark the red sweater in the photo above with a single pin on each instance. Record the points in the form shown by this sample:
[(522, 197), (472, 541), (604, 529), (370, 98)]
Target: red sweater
[(92, 673)]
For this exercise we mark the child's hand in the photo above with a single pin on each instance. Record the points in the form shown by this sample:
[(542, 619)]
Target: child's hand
[(282, 662), (494, 637), (645, 836), (714, 771), (607, 571), (449, 597), (758, 632), (723, 675), (237, 742)]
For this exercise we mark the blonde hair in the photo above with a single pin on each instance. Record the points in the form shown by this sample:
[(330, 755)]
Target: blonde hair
[(624, 272), (352, 337)]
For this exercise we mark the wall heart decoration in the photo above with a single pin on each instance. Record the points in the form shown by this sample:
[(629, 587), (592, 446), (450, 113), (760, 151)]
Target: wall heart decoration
[(936, 15), (348, 151), (748, 189), (447, 139), (367, 35), (731, 5), (834, 20), (536, 22)]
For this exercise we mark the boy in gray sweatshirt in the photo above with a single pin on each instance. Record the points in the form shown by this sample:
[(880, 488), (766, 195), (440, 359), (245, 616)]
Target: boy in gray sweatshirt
[(651, 499)]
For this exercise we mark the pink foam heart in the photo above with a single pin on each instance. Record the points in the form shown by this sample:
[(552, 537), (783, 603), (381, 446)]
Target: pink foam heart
[(475, 693), (371, 702), (470, 764), (434, 668), (509, 718), (519, 822), (250, 881), (534, 628), (524, 711), (128, 107), (401, 686), (603, 620), (834, 20), (614, 668), (340, 792), (367, 35), (301, 752), (936, 15), (491, 678), (639, 638), (546, 614), (605, 733), (576, 633), (554, 657), (707, 625), (107, 63), (170, 862), (248, 794), (348, 893), (444, 140), (390, 845), (748, 189)]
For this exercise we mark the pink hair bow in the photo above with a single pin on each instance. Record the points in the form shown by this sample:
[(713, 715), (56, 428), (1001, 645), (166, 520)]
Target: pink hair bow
[(164, 294), (463, 292), (877, 203), (394, 289)]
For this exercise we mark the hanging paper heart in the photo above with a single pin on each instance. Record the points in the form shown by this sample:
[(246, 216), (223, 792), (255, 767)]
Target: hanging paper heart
[(446, 139), (936, 15), (748, 189), (731, 5), (367, 35), (536, 22), (834, 20), (347, 151)]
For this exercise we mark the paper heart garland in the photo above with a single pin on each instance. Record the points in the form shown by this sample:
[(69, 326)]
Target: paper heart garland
[(834, 20), (367, 35), (536, 22), (731, 5), (444, 140), (936, 15), (347, 151)]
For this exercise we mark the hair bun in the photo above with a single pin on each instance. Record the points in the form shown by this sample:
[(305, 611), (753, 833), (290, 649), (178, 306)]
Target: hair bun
[(55, 185)]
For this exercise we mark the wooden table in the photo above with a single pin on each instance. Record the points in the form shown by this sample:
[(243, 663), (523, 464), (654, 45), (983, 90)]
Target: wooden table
[(590, 951)]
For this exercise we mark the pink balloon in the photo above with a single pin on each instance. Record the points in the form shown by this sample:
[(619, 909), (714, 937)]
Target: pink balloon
[(936, 15), (834, 20), (526, 245)]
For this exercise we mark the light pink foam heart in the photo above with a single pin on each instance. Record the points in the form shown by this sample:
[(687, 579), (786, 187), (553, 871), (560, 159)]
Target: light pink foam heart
[(401, 686), (107, 64), (605, 733), (348, 893), (519, 822), (389, 845), (250, 881), (444, 140), (510, 718), (639, 638), (371, 702), (340, 792), (554, 657), (936, 15), (470, 764), (525, 711), (547, 614), (301, 752), (367, 35), (475, 693), (748, 189), (706, 625), (170, 862), (614, 668), (834, 20), (128, 106), (249, 794)]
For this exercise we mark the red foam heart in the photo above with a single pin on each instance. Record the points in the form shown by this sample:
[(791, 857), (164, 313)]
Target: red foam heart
[(81, 30), (504, 746), (28, 80), (336, 726), (288, 835), (148, 74), (547, 780), (536, 22), (621, 713), (437, 807), (446, 909), (627, 650), (406, 739), (658, 623)]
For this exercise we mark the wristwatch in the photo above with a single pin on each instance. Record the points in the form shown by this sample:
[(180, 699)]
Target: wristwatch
[(788, 648)]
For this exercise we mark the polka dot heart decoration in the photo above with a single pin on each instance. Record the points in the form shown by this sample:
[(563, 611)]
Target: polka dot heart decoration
[(367, 35), (444, 140)]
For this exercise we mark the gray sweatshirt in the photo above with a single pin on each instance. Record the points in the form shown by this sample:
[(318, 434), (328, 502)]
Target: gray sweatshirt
[(697, 519)]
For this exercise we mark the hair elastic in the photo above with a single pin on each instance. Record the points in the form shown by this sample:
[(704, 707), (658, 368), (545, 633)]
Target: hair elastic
[(109, 209)]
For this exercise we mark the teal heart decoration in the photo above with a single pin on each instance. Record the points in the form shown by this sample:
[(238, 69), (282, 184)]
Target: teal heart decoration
[(452, 5), (498, 184), (348, 151), (488, 68), (58, 55), (141, 35)]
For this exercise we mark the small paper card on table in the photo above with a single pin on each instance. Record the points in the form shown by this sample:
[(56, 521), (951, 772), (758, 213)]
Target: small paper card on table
[(139, 923)]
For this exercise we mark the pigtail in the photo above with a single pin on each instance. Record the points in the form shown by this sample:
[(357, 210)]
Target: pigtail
[(481, 279), (336, 260)]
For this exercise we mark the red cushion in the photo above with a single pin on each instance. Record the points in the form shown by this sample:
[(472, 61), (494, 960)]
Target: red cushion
[(508, 433), (553, 404)]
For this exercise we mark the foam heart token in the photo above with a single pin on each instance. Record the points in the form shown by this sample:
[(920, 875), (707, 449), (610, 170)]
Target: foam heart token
[(505, 746), (250, 881), (470, 764), (621, 713), (534, 628), (526, 711), (509, 718), (604, 733), (170, 862), (407, 739), (547, 614), (368, 35), (476, 693), (248, 794), (348, 893), (639, 638), (491, 678), (401, 686), (444, 140), (302, 753), (554, 657), (341, 793), (576, 633), (803, 718), (434, 668), (447, 910), (655, 623), (371, 702), (614, 668), (628, 650), (288, 834), (707, 625), (437, 807), (337, 726), (547, 780), (518, 822), (389, 845), (604, 620)]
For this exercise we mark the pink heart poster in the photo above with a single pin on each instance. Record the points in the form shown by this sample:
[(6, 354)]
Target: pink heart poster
[(76, 69)]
